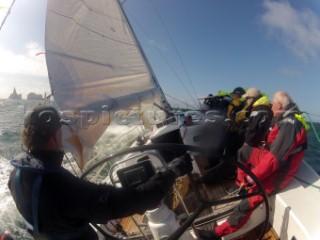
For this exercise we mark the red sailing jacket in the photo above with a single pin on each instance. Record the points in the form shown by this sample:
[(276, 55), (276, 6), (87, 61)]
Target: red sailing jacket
[(287, 143)]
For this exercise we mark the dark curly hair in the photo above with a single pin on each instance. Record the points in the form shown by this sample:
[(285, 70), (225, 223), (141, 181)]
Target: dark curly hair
[(33, 139)]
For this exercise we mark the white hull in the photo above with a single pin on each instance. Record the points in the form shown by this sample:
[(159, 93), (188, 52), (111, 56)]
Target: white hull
[(295, 211)]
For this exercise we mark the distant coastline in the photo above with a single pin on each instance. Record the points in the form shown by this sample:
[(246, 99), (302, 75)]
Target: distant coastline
[(15, 95), (34, 96), (31, 96)]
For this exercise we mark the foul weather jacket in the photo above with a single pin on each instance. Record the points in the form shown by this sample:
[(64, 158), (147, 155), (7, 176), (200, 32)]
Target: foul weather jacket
[(66, 204), (259, 122), (287, 141), (274, 167), (286, 144)]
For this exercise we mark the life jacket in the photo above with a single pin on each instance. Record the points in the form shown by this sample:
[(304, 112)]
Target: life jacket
[(242, 116), (303, 121), (263, 100), (244, 113), (236, 106), (26, 162)]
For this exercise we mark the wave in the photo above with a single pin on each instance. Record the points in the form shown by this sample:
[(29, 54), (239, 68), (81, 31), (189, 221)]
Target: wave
[(9, 136), (8, 210)]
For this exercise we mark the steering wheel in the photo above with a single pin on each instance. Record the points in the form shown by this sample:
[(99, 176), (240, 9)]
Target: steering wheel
[(202, 203)]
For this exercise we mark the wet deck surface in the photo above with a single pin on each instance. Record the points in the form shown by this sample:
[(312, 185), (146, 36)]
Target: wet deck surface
[(129, 226), (190, 191)]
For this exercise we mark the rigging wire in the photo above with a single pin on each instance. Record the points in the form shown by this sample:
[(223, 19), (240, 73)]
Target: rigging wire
[(312, 114), (175, 48), (306, 182), (8, 12), (314, 147), (312, 125), (163, 56), (193, 108)]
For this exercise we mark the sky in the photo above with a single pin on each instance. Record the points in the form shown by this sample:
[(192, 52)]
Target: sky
[(195, 47)]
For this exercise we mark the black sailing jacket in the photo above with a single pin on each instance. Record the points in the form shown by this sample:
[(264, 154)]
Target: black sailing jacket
[(67, 204)]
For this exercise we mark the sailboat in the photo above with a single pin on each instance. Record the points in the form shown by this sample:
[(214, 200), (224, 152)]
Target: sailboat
[(98, 73)]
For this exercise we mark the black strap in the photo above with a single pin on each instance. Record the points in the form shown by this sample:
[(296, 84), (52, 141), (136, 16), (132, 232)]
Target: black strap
[(35, 202), (21, 200), (33, 226), (17, 186)]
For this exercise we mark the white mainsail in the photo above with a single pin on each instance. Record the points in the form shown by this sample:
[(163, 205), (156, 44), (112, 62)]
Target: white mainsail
[(96, 68)]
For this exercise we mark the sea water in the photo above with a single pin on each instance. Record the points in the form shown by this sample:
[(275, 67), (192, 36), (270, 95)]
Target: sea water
[(119, 136), (11, 120)]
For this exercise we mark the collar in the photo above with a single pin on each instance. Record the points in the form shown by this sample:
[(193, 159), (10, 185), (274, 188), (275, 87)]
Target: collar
[(262, 100), (50, 159), (290, 110)]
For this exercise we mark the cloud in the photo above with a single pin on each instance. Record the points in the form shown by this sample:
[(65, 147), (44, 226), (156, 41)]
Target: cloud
[(30, 62), (290, 73), (26, 71), (298, 30)]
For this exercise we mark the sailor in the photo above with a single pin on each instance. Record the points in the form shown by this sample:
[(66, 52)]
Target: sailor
[(232, 141), (219, 102), (236, 104), (56, 204), (275, 165), (258, 107), (235, 138)]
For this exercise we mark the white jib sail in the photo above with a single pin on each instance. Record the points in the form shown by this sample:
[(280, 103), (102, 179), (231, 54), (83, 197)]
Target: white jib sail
[(95, 68)]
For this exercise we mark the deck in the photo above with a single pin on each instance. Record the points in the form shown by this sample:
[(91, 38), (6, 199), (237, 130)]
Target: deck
[(189, 191)]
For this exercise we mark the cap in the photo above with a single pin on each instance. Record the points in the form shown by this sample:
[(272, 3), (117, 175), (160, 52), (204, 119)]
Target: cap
[(238, 90), (44, 118), (252, 92)]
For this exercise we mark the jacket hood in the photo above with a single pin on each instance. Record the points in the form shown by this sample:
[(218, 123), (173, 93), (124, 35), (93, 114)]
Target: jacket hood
[(38, 160), (292, 108), (264, 100)]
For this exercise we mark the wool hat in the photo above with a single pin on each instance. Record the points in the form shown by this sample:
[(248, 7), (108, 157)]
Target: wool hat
[(44, 118), (239, 91), (252, 92)]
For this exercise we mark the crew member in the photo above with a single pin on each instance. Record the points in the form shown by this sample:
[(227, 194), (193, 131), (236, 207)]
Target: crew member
[(274, 165), (260, 117), (55, 204)]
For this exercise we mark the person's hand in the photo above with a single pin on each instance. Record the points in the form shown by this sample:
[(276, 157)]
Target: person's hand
[(164, 180), (182, 165)]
